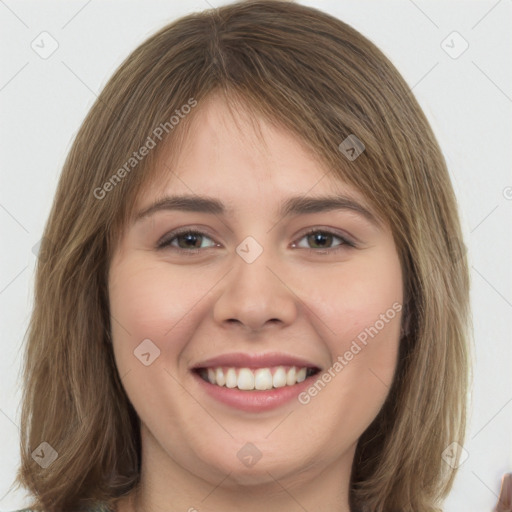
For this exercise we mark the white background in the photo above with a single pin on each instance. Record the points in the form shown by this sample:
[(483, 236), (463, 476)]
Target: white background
[(468, 101)]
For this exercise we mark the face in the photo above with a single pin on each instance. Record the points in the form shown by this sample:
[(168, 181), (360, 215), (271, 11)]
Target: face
[(245, 295)]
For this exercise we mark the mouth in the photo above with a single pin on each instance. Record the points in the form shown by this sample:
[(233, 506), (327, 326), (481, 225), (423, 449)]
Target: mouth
[(255, 379), (254, 382)]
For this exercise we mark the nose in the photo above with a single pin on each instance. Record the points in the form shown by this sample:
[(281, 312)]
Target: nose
[(256, 295)]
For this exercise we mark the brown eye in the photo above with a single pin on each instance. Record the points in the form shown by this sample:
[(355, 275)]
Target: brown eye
[(186, 240), (318, 239), (191, 241)]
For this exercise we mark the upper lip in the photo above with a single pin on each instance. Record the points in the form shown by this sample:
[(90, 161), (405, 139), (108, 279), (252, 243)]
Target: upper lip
[(246, 360)]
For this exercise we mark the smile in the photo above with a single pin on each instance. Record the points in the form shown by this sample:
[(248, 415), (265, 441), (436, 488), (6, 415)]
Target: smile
[(254, 382), (261, 379)]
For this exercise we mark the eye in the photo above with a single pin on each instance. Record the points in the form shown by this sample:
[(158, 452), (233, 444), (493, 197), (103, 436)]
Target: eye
[(323, 238), (187, 240), (190, 241)]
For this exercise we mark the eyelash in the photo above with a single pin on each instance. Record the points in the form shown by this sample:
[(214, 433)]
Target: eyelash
[(168, 239)]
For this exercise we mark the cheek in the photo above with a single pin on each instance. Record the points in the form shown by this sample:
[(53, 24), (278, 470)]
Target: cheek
[(363, 293), (360, 323), (150, 302)]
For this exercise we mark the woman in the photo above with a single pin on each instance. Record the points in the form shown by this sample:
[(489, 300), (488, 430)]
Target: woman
[(313, 354)]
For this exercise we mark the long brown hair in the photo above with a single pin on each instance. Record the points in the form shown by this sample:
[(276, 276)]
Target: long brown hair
[(324, 81)]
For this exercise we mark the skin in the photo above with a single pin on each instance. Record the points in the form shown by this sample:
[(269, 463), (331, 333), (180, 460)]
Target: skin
[(301, 300)]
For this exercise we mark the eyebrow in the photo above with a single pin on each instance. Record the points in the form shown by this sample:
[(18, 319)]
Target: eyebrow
[(293, 206)]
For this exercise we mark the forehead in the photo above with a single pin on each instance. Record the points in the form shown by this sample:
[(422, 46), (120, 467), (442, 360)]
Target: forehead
[(238, 155)]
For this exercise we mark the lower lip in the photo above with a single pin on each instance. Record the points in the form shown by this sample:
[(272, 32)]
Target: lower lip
[(254, 401)]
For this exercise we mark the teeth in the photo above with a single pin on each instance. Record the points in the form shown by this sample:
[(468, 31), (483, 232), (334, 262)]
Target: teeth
[(290, 376), (260, 379), (220, 378), (301, 375), (245, 379), (230, 378), (279, 378)]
